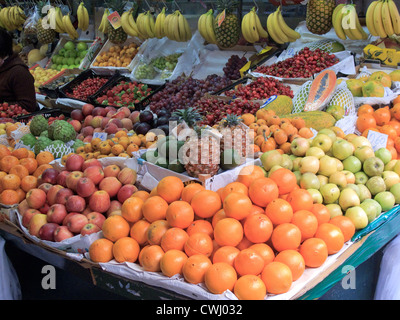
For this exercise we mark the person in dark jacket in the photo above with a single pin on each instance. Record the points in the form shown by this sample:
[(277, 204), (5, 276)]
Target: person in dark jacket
[(16, 82)]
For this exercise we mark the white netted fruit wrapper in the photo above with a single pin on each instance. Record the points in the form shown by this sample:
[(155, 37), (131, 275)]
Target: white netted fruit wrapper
[(343, 97), (3, 140), (300, 98), (22, 130), (59, 151)]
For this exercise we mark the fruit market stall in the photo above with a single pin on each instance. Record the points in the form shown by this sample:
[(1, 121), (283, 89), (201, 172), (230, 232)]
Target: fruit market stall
[(234, 155)]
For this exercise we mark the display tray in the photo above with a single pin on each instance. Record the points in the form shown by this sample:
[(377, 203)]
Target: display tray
[(45, 112), (53, 93)]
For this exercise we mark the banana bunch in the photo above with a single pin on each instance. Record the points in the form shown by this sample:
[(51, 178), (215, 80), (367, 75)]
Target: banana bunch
[(83, 17), (205, 25), (383, 18), (346, 23), (176, 27), (12, 18), (278, 29), (128, 24), (69, 28), (159, 29), (146, 25), (252, 29), (59, 20), (104, 21)]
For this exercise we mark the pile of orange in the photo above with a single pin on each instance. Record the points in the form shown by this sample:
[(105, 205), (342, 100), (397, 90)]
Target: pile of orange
[(384, 120), (250, 237), (19, 172)]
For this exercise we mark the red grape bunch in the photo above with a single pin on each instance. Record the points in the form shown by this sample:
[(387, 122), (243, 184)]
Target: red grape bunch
[(233, 66)]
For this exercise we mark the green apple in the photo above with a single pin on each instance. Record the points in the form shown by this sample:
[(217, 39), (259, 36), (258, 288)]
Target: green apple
[(361, 177), (287, 162), (351, 178), (339, 165), (360, 141), (352, 164), (71, 61), (322, 179), (390, 165), (396, 168), (395, 190), (330, 133), (309, 180), (355, 188), (372, 208), (309, 164), (327, 165), (330, 193), (386, 199), (384, 154), (373, 166), (341, 149), (61, 52), (338, 178), (390, 178), (316, 195), (81, 46), (54, 58), (364, 192), (270, 159), (54, 66), (348, 198), (316, 152), (77, 61), (69, 45), (322, 141), (375, 185), (334, 210), (299, 146), (364, 152), (358, 216), (82, 54), (298, 175)]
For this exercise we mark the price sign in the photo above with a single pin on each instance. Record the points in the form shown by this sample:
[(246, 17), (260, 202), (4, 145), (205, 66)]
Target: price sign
[(101, 135), (221, 18), (269, 100), (245, 68), (115, 19), (378, 140)]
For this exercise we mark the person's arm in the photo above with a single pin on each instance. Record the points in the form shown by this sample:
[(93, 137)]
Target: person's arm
[(22, 84)]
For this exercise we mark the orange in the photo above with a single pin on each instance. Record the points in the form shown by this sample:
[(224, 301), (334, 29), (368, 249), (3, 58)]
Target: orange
[(144, 195), (156, 231), (21, 194), (101, 250), (298, 122), (131, 209), (20, 153), (150, 257), (249, 173), (300, 199), (7, 162), (244, 243), (9, 197), (154, 208), (285, 179), (200, 226), (382, 116), (220, 214), (262, 191), (286, 236), (277, 277), (346, 225), (332, 236), (248, 261), (250, 287), (138, 231), (265, 251), (4, 151), (28, 183), (228, 232), (172, 262), (199, 243), (396, 125), (248, 118), (174, 239), (294, 260), (234, 187), (170, 188), (365, 109), (195, 267), (257, 228), (206, 203), (126, 249), (190, 190), (220, 277), (314, 252), (321, 212), (44, 157), (226, 254), (237, 205), (115, 227), (389, 130), (11, 182), (41, 169), (395, 110), (279, 211), (179, 214), (307, 222), (19, 170), (30, 164), (365, 121)]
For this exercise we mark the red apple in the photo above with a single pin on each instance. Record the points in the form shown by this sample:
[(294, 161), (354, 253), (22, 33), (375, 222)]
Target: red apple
[(87, 109), (125, 192), (127, 176), (49, 176), (45, 208), (63, 195), (111, 170), (74, 162), (91, 162), (87, 131), (87, 209), (100, 201), (76, 124), (77, 114), (45, 187), (96, 218), (85, 187), (99, 111), (67, 217), (62, 233), (36, 198), (57, 213), (27, 216), (75, 203), (51, 194), (77, 222), (36, 222), (94, 173), (62, 178), (114, 205), (111, 185), (73, 178), (46, 232), (89, 228)]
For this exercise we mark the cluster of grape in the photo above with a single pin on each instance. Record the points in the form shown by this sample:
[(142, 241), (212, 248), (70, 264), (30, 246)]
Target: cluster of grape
[(145, 71), (233, 66)]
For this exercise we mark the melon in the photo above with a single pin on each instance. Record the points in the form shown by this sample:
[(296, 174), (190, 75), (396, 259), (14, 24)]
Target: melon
[(34, 56), (321, 91), (281, 104)]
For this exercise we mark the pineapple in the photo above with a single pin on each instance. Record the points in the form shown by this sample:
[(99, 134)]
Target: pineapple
[(201, 152), (116, 36), (235, 136), (228, 33), (319, 15), (45, 35)]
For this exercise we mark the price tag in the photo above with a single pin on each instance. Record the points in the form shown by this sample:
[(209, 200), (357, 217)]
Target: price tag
[(115, 19), (269, 100), (265, 50), (245, 68), (378, 140), (221, 18), (101, 135)]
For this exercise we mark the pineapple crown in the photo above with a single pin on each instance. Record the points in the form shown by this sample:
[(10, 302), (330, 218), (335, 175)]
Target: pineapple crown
[(40, 4), (189, 115), (231, 120), (227, 5), (116, 5)]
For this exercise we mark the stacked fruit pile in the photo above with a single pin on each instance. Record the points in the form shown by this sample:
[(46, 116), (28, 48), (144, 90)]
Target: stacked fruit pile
[(11, 110), (117, 56), (76, 200), (86, 88), (69, 56)]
